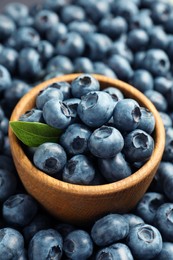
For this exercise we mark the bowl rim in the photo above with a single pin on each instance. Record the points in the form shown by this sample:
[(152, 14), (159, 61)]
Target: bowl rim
[(90, 190)]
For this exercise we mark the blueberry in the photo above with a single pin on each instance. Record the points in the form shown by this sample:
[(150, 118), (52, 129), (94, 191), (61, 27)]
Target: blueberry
[(157, 99), (162, 85), (160, 12), (71, 13), (50, 158), (114, 169), (16, 11), (1, 114), (148, 205), (163, 220), (113, 27), (73, 103), (7, 27), (64, 229), (11, 243), (167, 185), (166, 252), (33, 115), (157, 62), (137, 39), (61, 64), (142, 80), (8, 184), (47, 94), (78, 244), (64, 87), (83, 64), (117, 251), (158, 38), (144, 241), (75, 139), (138, 60), (169, 97), (133, 219), (97, 46), (54, 5), (79, 170), (45, 244), (7, 163), (46, 50), (168, 151), (2, 140), (29, 64), (105, 142), (44, 20), (138, 146), (5, 78), (27, 21), (18, 210), (141, 20), (4, 124), (120, 66), (56, 113), (166, 119), (109, 229), (82, 27), (115, 93), (83, 84), (26, 37), (56, 32), (9, 58), (168, 25), (147, 121), (126, 114), (124, 9), (101, 68)]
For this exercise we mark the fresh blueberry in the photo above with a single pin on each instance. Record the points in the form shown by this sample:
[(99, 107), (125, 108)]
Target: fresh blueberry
[(26, 21), (168, 185), (7, 27), (120, 66), (166, 252), (61, 64), (78, 245), (64, 229), (98, 179), (83, 64), (160, 12), (26, 37), (50, 158), (166, 119), (115, 93), (101, 68), (113, 27), (11, 244), (162, 85), (157, 99), (117, 251), (75, 139), (9, 58), (137, 40), (95, 108), (73, 103), (164, 170), (54, 5), (138, 146), (109, 229), (79, 170), (105, 142), (126, 114), (82, 27), (4, 125), (18, 210), (141, 20), (169, 97), (5, 78), (163, 220), (8, 184), (45, 244), (33, 115), (64, 87), (70, 13), (7, 163), (97, 46), (84, 84), (16, 11), (56, 32), (114, 169), (124, 9), (44, 20), (147, 121), (2, 140), (168, 151), (144, 241), (46, 50), (157, 62), (168, 24), (138, 60), (47, 94), (142, 80), (39, 222), (158, 38), (29, 64), (148, 205), (133, 219)]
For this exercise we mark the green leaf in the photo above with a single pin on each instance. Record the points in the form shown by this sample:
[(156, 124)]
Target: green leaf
[(33, 134)]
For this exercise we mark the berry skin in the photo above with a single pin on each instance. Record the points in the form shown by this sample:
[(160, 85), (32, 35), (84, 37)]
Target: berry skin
[(147, 121), (115, 93), (144, 241), (126, 115), (33, 115), (166, 252), (84, 84), (79, 170), (7, 27), (115, 168), (138, 146), (157, 99), (105, 142), (133, 219), (45, 244), (109, 229), (142, 80), (50, 158), (75, 139), (78, 245), (56, 113), (8, 184), (95, 108), (5, 79)]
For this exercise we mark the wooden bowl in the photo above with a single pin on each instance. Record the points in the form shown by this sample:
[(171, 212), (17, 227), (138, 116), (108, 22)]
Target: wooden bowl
[(80, 204)]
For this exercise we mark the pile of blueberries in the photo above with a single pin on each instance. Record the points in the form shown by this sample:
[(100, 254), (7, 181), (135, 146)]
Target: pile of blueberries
[(129, 40), (104, 135)]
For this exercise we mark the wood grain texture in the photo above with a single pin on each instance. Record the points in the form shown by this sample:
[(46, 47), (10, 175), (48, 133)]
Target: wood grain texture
[(82, 204)]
